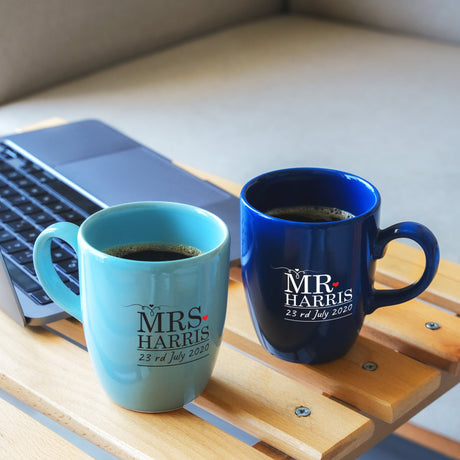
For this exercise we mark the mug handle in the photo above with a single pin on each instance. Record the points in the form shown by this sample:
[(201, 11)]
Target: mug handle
[(427, 241), (46, 272)]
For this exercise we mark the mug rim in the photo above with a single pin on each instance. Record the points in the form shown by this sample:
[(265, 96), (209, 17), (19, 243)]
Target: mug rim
[(225, 235), (311, 170)]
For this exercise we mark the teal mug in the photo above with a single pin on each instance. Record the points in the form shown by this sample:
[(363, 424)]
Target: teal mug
[(153, 327)]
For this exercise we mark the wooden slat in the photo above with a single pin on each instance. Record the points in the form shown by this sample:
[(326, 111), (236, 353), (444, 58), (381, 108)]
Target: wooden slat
[(403, 264), (55, 377), (383, 429), (23, 437), (388, 393), (70, 328), (48, 123), (402, 327), (263, 402), (228, 185), (271, 452)]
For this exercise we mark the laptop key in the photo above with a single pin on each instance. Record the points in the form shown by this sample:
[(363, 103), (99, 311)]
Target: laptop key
[(74, 287), (28, 166), (9, 216), (18, 226), (72, 216), (30, 235), (21, 279), (28, 207), (46, 199), (43, 176), (69, 266), (9, 153), (79, 200), (40, 297), (42, 218), (5, 235), (58, 207), (23, 257), (35, 190), (13, 175), (8, 193), (59, 255), (5, 167), (17, 199), (21, 181), (13, 246), (30, 269)]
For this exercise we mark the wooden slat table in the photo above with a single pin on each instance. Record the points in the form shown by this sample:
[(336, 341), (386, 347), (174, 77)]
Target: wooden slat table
[(352, 408)]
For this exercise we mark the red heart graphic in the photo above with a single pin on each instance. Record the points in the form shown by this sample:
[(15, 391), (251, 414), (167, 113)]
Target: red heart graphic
[(205, 317), (335, 284)]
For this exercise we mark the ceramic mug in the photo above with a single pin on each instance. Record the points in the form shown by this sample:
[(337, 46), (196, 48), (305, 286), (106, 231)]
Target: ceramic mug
[(309, 283), (153, 328)]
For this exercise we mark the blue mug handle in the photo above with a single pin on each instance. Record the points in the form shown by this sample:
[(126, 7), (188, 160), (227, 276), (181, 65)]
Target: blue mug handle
[(46, 271), (427, 241)]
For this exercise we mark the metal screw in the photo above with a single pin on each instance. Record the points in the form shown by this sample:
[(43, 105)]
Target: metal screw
[(302, 411), (432, 325), (369, 366)]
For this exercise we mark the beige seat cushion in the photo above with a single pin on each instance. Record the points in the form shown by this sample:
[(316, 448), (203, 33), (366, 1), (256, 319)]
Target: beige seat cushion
[(45, 42), (290, 91)]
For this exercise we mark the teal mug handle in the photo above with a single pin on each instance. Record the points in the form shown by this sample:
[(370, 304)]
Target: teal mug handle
[(46, 272)]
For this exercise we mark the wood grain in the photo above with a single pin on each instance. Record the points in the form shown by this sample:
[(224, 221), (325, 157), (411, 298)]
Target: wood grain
[(402, 327), (55, 377), (22, 437), (403, 264), (263, 402)]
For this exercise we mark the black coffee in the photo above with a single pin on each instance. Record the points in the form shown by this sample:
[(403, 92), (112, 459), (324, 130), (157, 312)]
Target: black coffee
[(310, 214), (153, 252)]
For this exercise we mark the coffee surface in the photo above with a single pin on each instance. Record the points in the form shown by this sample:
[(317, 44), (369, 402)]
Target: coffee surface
[(312, 214), (153, 252)]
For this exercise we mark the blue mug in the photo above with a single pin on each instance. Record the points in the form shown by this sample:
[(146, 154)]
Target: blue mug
[(153, 328), (310, 241)]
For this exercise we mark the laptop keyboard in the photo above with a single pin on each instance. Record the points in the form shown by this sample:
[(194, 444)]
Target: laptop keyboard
[(31, 198)]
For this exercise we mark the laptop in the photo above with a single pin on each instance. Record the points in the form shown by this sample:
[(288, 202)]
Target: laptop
[(67, 173)]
